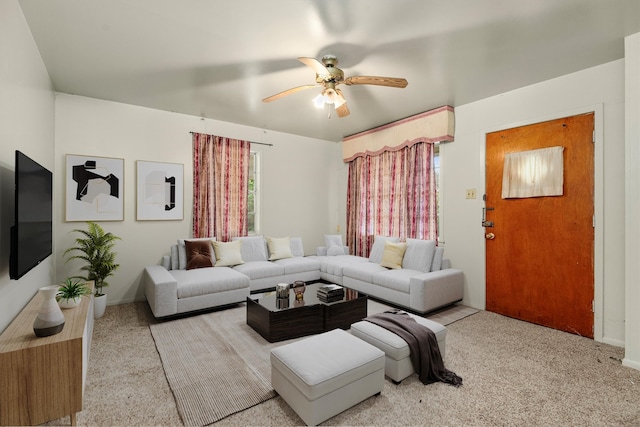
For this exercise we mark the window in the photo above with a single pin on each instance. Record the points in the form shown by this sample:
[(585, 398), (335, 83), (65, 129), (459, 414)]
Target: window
[(436, 169), (252, 194)]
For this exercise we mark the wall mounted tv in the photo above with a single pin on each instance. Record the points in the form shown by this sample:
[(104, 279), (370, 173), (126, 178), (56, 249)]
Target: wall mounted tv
[(31, 234)]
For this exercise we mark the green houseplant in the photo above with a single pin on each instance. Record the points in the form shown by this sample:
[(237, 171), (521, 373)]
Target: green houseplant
[(70, 293), (95, 248)]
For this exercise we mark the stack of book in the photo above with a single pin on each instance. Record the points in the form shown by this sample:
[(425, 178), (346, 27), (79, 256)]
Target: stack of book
[(330, 293)]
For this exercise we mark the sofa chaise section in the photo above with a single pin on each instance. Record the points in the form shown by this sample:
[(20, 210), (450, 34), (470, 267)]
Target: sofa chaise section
[(422, 282)]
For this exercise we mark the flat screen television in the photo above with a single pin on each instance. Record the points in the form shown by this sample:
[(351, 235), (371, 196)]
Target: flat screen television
[(32, 232)]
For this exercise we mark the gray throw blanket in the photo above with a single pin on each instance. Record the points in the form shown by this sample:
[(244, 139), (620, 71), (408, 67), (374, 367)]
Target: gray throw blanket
[(423, 346)]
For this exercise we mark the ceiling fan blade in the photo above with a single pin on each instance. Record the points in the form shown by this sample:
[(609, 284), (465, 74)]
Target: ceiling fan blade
[(374, 80), (343, 110), (288, 92), (340, 104), (317, 66)]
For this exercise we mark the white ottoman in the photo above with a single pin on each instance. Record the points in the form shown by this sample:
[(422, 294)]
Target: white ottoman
[(397, 361), (325, 374)]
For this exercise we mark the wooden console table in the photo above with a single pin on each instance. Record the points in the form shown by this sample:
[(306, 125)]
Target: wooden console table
[(42, 379)]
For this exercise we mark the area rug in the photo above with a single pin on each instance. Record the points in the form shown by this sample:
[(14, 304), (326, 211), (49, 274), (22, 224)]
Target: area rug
[(216, 365)]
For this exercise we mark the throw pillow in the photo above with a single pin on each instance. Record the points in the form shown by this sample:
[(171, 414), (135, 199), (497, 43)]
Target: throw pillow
[(419, 255), (332, 240), (297, 248), (375, 256), (228, 254), (437, 259), (393, 254), (254, 248), (182, 252), (198, 253), (335, 250), (279, 248)]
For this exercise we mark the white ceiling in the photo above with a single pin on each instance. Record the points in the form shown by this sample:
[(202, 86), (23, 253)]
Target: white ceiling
[(218, 59)]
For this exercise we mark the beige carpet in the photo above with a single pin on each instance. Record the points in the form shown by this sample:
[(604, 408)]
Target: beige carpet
[(515, 374), (216, 365)]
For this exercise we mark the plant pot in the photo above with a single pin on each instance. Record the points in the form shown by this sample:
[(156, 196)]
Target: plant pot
[(99, 305), (69, 303)]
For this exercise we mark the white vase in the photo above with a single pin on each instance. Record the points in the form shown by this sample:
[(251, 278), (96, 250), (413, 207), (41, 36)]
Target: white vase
[(50, 319), (99, 305)]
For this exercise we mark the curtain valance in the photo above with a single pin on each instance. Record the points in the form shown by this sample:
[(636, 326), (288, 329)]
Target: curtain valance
[(431, 126)]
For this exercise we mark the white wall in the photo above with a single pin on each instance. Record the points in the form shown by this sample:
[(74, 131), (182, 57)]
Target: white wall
[(599, 89), (295, 200), (632, 211), (27, 124)]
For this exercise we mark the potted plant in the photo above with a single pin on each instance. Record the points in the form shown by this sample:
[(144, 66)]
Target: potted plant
[(70, 293), (95, 247)]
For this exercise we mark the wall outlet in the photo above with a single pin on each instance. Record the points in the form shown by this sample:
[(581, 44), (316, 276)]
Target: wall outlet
[(471, 193)]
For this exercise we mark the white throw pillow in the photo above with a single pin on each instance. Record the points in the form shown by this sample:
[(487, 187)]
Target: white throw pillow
[(335, 250), (436, 265), (279, 248), (297, 248), (228, 254), (419, 255), (254, 248), (375, 256), (332, 240), (393, 254)]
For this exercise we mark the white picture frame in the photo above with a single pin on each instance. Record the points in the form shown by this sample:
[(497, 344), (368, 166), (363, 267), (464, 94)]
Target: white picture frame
[(94, 188), (159, 191)]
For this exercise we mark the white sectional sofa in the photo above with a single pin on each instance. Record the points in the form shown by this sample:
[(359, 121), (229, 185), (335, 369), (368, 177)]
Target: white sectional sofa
[(172, 288), (422, 280)]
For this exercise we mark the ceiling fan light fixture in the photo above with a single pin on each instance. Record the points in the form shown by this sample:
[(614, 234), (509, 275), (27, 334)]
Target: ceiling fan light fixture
[(318, 101)]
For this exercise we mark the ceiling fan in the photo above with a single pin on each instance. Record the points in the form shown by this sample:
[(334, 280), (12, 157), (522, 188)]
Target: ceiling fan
[(329, 76)]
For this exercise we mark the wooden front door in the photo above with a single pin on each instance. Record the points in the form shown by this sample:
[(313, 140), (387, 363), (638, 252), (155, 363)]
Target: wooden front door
[(539, 251)]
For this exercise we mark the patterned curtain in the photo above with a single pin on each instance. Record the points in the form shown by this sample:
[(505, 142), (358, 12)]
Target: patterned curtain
[(391, 194), (220, 179)]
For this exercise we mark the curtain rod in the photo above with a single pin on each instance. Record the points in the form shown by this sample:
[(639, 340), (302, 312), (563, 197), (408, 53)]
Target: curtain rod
[(251, 142)]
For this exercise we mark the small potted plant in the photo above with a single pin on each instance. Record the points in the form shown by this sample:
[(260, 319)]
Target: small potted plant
[(95, 247), (71, 292)]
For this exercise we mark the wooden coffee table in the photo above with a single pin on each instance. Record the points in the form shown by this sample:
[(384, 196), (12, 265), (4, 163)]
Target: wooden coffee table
[(277, 321)]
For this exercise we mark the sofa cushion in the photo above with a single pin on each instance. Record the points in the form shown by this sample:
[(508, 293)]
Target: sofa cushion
[(260, 269), (436, 265), (297, 249), (362, 271), (198, 254), (392, 255), (377, 250), (297, 265), (205, 281), (332, 240), (279, 248), (228, 254), (254, 248), (395, 279), (182, 252), (419, 255), (334, 264), (335, 250)]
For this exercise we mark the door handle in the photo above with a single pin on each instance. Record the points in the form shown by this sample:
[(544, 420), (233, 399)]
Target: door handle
[(489, 236)]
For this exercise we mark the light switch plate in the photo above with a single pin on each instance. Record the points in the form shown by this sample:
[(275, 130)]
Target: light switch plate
[(471, 193)]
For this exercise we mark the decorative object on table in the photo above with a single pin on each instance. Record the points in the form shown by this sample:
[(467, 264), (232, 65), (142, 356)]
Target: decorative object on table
[(94, 188), (71, 292), (159, 191), (282, 290), (50, 319), (330, 293), (282, 303), (298, 289), (96, 249)]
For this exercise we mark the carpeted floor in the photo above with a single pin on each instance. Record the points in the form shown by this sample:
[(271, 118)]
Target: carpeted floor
[(515, 373)]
